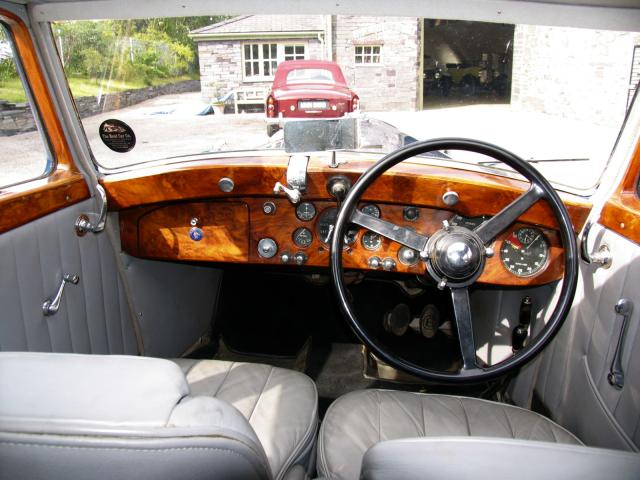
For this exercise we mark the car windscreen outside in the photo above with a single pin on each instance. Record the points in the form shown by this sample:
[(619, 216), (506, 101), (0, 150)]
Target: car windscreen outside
[(310, 75), (179, 87)]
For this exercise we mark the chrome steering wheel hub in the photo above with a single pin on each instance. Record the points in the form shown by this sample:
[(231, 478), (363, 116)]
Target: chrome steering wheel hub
[(455, 257)]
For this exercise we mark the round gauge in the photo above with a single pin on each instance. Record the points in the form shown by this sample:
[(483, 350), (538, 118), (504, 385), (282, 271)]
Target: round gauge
[(525, 252), (371, 240), (326, 224), (302, 237), (305, 211), (372, 210)]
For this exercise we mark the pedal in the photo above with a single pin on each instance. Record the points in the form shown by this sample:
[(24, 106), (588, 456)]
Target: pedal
[(397, 320), (429, 321)]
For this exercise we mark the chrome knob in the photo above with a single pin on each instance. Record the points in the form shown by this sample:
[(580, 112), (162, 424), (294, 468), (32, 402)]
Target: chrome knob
[(267, 248), (300, 258), (388, 264), (408, 256), (450, 198), (269, 208), (375, 262), (285, 257)]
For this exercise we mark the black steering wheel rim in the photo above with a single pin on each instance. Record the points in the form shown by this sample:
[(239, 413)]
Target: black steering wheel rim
[(569, 282)]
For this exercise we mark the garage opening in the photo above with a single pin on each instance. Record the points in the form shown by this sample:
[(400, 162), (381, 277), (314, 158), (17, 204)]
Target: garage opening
[(466, 63)]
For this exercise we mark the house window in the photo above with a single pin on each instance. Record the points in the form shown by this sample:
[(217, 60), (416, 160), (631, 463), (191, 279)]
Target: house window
[(367, 54), (260, 60), (294, 52)]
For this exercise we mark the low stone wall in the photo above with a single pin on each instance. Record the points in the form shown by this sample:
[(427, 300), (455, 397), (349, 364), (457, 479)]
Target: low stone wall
[(17, 118)]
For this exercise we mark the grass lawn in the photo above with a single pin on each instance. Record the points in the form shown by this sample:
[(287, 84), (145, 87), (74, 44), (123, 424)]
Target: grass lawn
[(13, 91)]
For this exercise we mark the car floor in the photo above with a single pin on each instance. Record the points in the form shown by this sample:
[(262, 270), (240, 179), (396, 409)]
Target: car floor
[(293, 321)]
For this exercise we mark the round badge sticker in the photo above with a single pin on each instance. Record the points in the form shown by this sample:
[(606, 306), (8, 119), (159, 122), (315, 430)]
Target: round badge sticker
[(117, 135)]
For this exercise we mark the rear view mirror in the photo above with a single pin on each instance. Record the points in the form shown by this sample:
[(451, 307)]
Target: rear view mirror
[(320, 135)]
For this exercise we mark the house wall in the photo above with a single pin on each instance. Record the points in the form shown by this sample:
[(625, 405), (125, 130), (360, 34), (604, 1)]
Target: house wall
[(392, 84), (554, 73), (221, 64)]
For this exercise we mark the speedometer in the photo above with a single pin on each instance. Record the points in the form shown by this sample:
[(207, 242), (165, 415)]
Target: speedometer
[(525, 252)]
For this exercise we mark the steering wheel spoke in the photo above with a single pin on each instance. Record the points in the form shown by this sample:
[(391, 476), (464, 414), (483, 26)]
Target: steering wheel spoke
[(490, 229), (389, 230), (462, 311)]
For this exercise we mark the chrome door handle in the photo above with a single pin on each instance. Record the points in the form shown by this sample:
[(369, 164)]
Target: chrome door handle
[(600, 258), (51, 306), (624, 307), (93, 222)]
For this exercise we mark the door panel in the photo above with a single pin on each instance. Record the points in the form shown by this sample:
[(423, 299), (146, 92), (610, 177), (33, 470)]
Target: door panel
[(572, 378), (94, 315)]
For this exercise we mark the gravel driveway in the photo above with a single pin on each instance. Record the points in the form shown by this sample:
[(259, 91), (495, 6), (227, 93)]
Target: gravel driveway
[(169, 125)]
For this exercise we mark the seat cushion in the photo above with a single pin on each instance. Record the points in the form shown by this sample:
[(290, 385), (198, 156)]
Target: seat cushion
[(359, 420), (281, 405)]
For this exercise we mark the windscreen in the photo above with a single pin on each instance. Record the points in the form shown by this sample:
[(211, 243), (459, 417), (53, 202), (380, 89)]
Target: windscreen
[(161, 89)]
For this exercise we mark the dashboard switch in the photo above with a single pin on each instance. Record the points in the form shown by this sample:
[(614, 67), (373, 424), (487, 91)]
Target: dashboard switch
[(375, 262), (388, 264), (300, 258), (285, 257), (269, 208), (267, 248), (411, 214)]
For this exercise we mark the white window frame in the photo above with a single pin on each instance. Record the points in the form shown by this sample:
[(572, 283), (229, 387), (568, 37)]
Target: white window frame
[(374, 57), (280, 57), (296, 56)]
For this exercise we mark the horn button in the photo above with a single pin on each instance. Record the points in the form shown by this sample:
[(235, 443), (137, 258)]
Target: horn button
[(455, 256)]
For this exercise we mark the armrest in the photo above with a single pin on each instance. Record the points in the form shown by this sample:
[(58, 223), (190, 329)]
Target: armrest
[(453, 458)]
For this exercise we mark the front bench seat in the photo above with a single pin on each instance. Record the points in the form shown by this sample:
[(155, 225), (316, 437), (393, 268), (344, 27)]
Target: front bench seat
[(67, 416), (359, 420)]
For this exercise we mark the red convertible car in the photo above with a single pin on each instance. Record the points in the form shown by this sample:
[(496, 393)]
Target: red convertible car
[(308, 89)]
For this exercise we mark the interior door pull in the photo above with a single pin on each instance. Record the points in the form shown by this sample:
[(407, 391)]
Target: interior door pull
[(51, 306), (601, 258), (624, 307)]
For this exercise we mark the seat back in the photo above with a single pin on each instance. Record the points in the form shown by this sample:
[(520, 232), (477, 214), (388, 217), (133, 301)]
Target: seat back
[(66, 416)]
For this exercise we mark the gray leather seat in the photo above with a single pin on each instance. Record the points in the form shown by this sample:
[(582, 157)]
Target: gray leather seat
[(66, 416), (280, 405), (359, 420)]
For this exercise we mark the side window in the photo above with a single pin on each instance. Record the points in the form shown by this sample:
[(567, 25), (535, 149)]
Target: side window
[(23, 155)]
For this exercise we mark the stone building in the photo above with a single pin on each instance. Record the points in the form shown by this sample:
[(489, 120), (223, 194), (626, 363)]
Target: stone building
[(387, 60), (372, 51)]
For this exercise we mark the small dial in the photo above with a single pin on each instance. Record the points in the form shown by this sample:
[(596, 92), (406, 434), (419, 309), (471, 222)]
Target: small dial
[(525, 252), (302, 237), (371, 241), (372, 210), (305, 211), (326, 224)]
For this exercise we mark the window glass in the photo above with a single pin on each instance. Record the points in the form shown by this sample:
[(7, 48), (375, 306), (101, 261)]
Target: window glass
[(192, 86), (367, 54), (263, 60), (22, 152), (310, 75), (294, 52)]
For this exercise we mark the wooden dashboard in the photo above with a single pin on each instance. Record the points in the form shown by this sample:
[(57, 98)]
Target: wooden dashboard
[(160, 206)]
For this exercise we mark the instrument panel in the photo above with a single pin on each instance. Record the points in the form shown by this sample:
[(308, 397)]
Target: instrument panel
[(273, 231)]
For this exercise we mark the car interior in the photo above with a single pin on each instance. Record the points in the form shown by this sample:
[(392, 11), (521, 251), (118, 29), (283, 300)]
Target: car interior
[(352, 299)]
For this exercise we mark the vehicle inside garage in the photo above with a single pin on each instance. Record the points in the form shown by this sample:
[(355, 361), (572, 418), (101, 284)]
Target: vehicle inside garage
[(466, 62)]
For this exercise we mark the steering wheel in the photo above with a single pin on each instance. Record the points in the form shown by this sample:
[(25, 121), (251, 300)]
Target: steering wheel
[(455, 257)]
